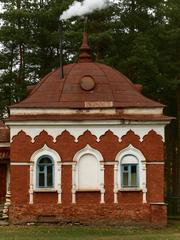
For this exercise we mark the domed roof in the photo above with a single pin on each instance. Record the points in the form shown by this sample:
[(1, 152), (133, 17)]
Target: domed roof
[(108, 86), (86, 84)]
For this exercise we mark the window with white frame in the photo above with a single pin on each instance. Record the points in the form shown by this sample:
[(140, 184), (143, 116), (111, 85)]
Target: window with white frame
[(130, 169), (45, 172), (129, 172)]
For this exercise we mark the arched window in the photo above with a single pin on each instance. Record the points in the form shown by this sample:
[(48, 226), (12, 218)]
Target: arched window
[(129, 171), (45, 172)]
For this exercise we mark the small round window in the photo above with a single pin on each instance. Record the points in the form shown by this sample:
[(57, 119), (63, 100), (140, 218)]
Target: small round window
[(87, 83)]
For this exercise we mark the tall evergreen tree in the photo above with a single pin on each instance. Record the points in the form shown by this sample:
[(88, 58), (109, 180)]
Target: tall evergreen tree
[(138, 37), (30, 45)]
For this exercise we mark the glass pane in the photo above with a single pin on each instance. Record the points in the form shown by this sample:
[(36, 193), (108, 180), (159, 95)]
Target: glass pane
[(125, 179), (125, 168), (41, 168), (45, 160), (49, 176), (134, 169), (133, 176), (41, 180)]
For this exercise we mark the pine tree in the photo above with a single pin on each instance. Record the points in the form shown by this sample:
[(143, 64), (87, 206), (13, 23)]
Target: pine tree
[(30, 45)]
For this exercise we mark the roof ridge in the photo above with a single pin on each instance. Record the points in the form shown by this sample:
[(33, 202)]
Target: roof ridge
[(99, 66), (65, 80), (41, 81), (133, 86)]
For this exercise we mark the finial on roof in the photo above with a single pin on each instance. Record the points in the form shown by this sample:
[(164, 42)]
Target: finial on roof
[(85, 51)]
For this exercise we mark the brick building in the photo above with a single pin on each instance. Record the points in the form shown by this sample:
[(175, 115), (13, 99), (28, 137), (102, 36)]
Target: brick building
[(86, 148)]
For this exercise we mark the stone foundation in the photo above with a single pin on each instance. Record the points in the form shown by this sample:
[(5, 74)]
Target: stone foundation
[(89, 214)]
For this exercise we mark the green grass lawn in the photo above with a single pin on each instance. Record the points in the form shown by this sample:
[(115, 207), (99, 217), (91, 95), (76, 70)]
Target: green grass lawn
[(172, 232)]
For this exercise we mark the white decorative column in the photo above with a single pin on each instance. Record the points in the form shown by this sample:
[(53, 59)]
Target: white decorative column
[(144, 195), (31, 186), (59, 188), (116, 182), (102, 189), (73, 183), (144, 187), (8, 178), (5, 214)]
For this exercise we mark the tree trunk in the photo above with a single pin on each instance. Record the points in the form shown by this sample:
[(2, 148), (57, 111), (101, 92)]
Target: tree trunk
[(178, 141), (170, 161)]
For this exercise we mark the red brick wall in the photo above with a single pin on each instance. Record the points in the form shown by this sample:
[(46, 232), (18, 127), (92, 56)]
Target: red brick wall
[(88, 207), (3, 172)]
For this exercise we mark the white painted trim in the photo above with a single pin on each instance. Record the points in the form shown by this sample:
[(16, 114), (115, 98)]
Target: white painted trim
[(31, 185), (8, 175), (74, 187), (155, 163), (158, 203), (91, 108), (144, 111), (129, 160), (87, 150), (67, 163), (95, 128), (20, 164), (45, 190), (110, 163), (131, 150), (85, 122), (64, 111), (130, 190), (7, 144), (116, 182)]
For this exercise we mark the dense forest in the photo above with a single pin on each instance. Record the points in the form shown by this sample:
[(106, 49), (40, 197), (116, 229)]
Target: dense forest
[(140, 38)]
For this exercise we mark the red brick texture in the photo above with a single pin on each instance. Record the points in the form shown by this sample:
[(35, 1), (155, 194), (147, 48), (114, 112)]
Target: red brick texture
[(88, 208), (3, 171)]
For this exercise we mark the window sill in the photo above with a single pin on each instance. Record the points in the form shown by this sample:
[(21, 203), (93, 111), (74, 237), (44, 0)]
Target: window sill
[(87, 190), (45, 190), (130, 190)]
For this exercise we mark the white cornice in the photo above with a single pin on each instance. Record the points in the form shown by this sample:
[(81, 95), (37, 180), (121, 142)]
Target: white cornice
[(63, 111), (144, 111), (87, 111), (85, 122)]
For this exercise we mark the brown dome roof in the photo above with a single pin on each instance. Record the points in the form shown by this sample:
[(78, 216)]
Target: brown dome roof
[(110, 87), (86, 85)]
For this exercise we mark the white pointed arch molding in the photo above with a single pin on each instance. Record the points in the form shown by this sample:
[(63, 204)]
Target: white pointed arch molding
[(88, 172), (130, 151), (97, 128), (45, 150)]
